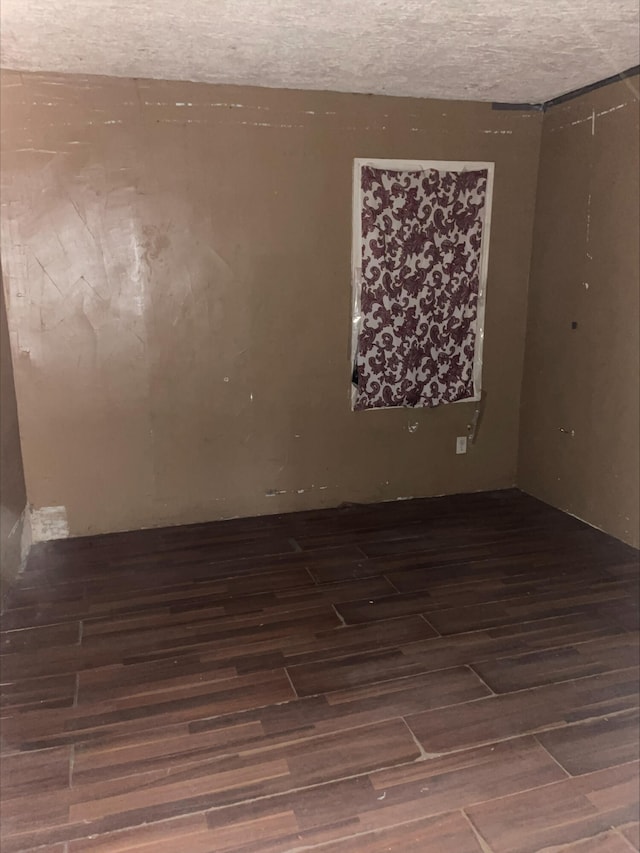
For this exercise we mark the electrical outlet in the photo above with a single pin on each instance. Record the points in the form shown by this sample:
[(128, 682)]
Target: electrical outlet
[(461, 444)]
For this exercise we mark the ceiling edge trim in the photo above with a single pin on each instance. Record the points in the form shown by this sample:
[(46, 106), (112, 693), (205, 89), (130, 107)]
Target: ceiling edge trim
[(498, 105), (569, 96), (584, 90)]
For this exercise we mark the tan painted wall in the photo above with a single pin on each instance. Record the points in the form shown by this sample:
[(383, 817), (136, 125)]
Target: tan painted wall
[(13, 497), (178, 264), (585, 269)]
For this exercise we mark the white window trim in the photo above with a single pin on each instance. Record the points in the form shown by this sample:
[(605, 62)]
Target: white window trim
[(356, 249)]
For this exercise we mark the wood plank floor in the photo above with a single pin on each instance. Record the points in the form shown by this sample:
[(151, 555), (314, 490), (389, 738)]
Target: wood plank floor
[(457, 675)]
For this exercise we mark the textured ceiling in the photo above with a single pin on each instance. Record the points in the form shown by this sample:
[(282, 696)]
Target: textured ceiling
[(494, 50)]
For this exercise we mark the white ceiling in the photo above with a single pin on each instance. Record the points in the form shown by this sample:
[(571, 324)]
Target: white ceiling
[(490, 50)]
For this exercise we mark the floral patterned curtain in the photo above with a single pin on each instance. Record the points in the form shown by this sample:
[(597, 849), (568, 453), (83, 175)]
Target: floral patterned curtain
[(421, 240)]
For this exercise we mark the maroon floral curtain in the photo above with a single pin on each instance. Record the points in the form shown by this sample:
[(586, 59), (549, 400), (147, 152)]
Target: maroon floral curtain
[(421, 239)]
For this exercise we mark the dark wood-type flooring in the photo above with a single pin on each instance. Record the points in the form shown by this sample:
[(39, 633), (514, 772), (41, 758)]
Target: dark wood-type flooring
[(456, 675)]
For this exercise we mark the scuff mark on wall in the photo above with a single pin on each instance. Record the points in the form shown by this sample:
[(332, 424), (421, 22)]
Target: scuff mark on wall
[(37, 151), (593, 115), (205, 104), (271, 493), (611, 109)]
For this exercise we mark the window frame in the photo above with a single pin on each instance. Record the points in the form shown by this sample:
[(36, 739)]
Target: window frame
[(356, 253)]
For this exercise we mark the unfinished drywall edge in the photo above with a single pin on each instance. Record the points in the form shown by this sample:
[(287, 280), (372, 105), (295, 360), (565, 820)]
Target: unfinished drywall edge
[(15, 551), (26, 538), (49, 522)]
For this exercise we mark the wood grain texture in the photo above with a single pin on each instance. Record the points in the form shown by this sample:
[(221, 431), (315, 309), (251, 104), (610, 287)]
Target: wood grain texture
[(456, 674)]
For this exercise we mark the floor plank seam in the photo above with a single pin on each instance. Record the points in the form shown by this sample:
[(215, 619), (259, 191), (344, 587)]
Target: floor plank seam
[(398, 678), (72, 758), (624, 838), (370, 833), (527, 733), (437, 633), (482, 841), (288, 674), (161, 608), (391, 583), (489, 656), (546, 785), (423, 755), (315, 737), (314, 582), (498, 626), (315, 785), (355, 653), (251, 800), (342, 624), (472, 669), (560, 644), (550, 754), (392, 679), (631, 669)]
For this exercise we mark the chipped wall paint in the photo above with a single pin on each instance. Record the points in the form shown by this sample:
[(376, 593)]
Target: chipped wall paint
[(49, 522), (165, 248), (591, 117)]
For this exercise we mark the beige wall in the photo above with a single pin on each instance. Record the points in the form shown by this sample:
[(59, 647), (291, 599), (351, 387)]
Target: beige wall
[(178, 267), (585, 270), (13, 496)]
